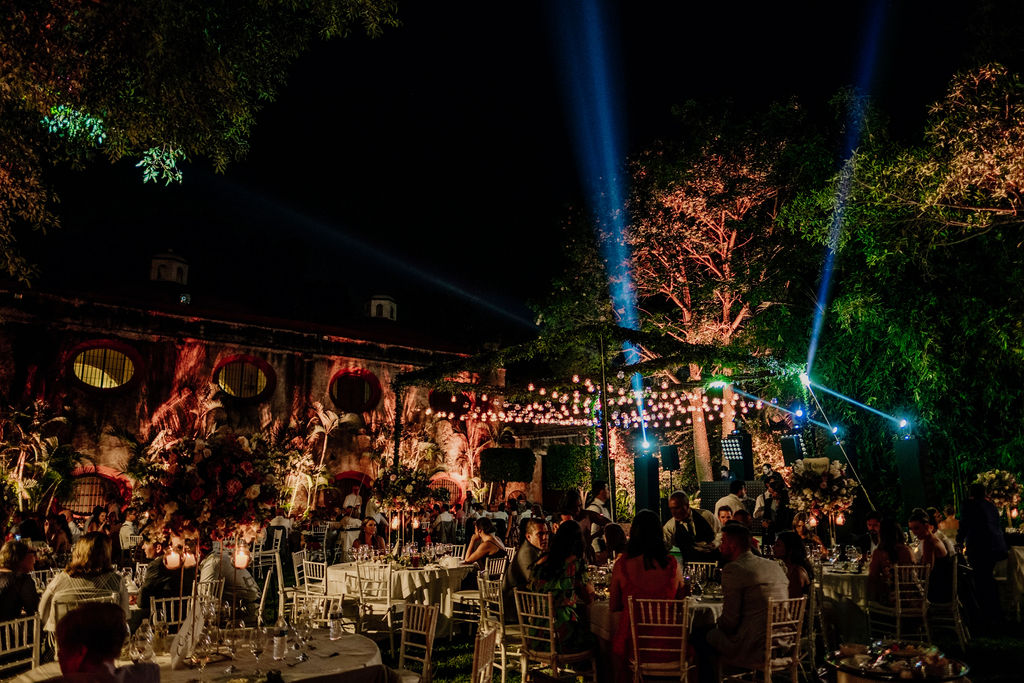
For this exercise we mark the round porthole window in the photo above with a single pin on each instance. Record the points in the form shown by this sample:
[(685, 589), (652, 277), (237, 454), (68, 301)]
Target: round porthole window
[(245, 377), (355, 390), (104, 365)]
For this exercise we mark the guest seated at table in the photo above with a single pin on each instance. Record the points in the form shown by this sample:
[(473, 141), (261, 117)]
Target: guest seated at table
[(90, 569), (611, 543), (891, 550), (239, 586), (790, 548), (31, 530), (808, 535), (646, 571), (89, 639), (746, 519), (159, 581), (17, 589), (562, 571), (692, 531), (949, 525), (484, 543), (520, 571), (933, 551), (98, 520), (58, 535), (868, 541), (368, 536), (748, 583)]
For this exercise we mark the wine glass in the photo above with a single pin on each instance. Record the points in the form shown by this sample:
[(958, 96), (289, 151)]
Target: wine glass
[(201, 653), (257, 643)]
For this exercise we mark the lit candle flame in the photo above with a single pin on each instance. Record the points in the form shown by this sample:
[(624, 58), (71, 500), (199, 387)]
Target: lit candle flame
[(172, 560), (394, 522), (840, 519), (241, 560)]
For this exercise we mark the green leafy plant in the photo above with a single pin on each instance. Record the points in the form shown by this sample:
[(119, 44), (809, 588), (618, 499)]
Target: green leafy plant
[(567, 467)]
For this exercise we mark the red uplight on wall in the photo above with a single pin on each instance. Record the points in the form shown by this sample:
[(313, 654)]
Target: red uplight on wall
[(355, 390)]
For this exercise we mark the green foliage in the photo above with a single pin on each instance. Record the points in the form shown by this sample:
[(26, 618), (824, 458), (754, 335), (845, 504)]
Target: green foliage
[(502, 465), (566, 467), (187, 78)]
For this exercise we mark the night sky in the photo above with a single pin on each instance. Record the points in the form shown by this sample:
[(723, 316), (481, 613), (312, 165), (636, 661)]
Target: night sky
[(440, 152)]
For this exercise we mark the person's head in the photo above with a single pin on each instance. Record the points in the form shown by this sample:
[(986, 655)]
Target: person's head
[(68, 515), (614, 538), (742, 516), (90, 637), (934, 517), (501, 507), (977, 491), (369, 527), (723, 471), (873, 522), (444, 508), (679, 506), (600, 491), (949, 511), (724, 514), (738, 488), (646, 539), (537, 533), (919, 524), (355, 489), (790, 548), (458, 507), (90, 555), (890, 535), (18, 557), (484, 527), (348, 510), (567, 542), (800, 522), (766, 469), (735, 541)]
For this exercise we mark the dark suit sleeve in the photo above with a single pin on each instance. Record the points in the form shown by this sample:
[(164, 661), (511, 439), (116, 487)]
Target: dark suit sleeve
[(732, 606), (28, 595)]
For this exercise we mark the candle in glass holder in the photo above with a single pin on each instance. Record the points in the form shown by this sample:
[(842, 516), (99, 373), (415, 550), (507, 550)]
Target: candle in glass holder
[(189, 559), (840, 519), (172, 560), (812, 521), (394, 522), (241, 558), (415, 522)]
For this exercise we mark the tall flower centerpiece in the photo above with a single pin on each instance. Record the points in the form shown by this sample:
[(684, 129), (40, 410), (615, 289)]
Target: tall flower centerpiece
[(1003, 489), (821, 488), (403, 490)]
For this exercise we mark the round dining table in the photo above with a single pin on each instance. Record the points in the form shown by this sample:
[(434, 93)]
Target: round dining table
[(326, 657), (847, 593), (702, 612)]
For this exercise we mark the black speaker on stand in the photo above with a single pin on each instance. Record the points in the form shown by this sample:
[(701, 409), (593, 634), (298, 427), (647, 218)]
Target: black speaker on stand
[(670, 458), (738, 449), (794, 446), (647, 491)]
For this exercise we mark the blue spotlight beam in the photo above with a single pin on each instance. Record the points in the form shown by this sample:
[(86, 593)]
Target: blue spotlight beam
[(842, 449), (854, 127), (776, 406), (898, 421)]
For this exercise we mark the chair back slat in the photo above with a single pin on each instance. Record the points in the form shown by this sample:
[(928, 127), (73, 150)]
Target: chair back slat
[(19, 643), (174, 610), (492, 606), (297, 567), (536, 621), (700, 571), (419, 624), (911, 584), (494, 567), (65, 601), (782, 637), (314, 575), (212, 589), (483, 656), (658, 629), (374, 582)]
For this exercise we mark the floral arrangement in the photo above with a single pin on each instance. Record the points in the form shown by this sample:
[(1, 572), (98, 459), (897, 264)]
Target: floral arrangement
[(820, 485), (405, 487), (224, 482), (1002, 487)]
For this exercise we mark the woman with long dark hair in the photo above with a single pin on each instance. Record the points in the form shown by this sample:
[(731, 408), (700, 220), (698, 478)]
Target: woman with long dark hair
[(646, 570), (562, 571), (789, 547), (368, 536), (892, 550)]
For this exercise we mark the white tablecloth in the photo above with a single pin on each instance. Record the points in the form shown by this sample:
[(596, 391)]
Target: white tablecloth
[(428, 586), (354, 652), (846, 598), (603, 623)]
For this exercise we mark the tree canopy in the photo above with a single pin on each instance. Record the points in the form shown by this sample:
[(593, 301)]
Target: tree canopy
[(153, 81)]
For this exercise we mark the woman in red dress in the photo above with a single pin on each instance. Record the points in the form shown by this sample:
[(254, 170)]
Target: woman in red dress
[(646, 570)]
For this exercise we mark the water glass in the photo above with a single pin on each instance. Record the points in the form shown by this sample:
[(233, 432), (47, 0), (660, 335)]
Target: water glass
[(336, 626)]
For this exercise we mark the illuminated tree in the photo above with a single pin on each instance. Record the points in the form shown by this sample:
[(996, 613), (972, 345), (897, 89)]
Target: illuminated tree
[(707, 256), (154, 81)]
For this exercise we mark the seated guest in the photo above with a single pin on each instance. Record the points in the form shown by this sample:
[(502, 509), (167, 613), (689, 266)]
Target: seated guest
[(933, 552), (808, 535), (31, 530), (484, 543), (949, 525), (646, 571), (725, 514), (612, 543), (58, 536), (891, 550), (238, 583), (748, 583), (90, 569), (161, 582), (692, 531), (368, 536), (17, 589), (98, 521), (89, 639), (869, 541), (443, 526), (562, 571), (520, 571), (790, 548), (746, 519), (128, 529)]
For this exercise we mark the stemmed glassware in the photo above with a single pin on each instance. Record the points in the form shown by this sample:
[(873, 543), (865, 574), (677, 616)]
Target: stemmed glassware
[(201, 653), (257, 644)]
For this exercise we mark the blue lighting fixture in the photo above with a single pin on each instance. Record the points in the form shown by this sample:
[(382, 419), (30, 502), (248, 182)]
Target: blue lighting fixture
[(805, 379), (903, 423), (835, 430), (799, 412)]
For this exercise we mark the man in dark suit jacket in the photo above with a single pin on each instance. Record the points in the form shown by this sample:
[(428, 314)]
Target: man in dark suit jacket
[(982, 536), (692, 531), (520, 571), (748, 583)]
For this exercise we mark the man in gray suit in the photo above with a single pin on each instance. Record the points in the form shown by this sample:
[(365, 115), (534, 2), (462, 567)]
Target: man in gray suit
[(520, 571), (748, 583)]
